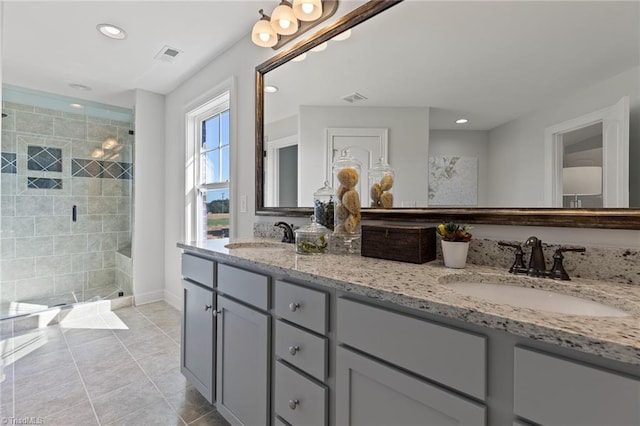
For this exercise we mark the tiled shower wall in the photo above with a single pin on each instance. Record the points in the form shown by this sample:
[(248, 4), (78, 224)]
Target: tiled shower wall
[(50, 163)]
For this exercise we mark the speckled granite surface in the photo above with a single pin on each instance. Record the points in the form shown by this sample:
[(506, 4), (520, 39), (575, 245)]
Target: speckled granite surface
[(422, 287), (620, 265)]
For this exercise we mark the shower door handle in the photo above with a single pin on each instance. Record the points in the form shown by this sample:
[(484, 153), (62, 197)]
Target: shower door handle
[(74, 213)]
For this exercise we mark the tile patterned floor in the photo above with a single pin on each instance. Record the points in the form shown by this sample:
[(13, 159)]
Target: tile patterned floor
[(113, 368)]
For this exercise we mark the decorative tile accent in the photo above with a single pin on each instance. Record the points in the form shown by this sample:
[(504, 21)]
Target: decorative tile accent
[(9, 164), (44, 158), (44, 183), (85, 168), (101, 169)]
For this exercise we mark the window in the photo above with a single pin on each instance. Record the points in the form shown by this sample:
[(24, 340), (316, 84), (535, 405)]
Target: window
[(208, 129)]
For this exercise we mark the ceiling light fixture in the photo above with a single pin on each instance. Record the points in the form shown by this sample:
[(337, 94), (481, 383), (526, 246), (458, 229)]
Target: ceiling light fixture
[(343, 35), (307, 10), (270, 89), (81, 87), (320, 47), (288, 21), (262, 33), (300, 57), (111, 31), (462, 121), (283, 21)]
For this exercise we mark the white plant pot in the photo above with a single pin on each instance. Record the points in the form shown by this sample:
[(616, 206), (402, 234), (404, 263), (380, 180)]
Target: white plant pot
[(455, 254)]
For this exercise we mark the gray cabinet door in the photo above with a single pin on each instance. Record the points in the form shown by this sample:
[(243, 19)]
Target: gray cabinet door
[(197, 349), (370, 393), (242, 389)]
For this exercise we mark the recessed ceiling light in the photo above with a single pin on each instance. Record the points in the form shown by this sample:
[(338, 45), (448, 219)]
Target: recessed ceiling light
[(111, 31), (79, 106), (462, 121), (270, 89), (79, 87)]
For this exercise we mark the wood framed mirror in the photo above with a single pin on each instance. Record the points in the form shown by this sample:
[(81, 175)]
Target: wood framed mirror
[(607, 217)]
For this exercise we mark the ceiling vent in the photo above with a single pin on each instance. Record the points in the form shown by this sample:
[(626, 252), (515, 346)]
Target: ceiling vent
[(168, 54), (354, 97)]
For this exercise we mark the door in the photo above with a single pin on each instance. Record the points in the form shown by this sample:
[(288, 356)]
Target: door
[(615, 154), (370, 393), (365, 144), (197, 350), (242, 388)]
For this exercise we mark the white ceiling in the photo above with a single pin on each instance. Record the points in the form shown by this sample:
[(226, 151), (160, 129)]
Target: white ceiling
[(49, 44), (489, 61)]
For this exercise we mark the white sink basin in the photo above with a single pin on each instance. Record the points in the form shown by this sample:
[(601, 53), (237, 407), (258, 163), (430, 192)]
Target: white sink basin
[(542, 300), (258, 244)]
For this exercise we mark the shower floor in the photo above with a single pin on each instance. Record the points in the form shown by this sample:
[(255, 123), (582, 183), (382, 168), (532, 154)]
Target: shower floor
[(26, 307)]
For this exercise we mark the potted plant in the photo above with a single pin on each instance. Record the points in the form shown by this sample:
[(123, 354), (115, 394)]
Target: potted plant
[(455, 244)]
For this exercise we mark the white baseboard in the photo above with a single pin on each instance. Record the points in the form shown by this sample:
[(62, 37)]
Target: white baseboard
[(149, 297), (173, 300)]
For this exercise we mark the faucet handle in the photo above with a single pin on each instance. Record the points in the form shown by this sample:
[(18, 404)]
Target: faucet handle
[(518, 264), (557, 271)]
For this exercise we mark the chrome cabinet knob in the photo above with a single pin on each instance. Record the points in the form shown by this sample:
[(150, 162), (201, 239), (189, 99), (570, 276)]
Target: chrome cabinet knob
[(294, 307), (294, 350), (207, 307), (216, 313), (293, 403)]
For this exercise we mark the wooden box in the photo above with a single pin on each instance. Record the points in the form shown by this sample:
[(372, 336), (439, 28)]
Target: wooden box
[(414, 244)]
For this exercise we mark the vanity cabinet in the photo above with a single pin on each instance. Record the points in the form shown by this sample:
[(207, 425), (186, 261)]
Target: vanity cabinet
[(243, 347), (198, 324), (302, 351), (370, 393), (550, 390)]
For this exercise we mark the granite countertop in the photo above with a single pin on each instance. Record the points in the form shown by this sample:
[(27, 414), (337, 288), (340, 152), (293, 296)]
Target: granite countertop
[(422, 287)]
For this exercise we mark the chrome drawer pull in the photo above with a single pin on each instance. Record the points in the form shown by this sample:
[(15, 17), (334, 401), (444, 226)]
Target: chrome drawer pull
[(293, 403), (294, 350), (294, 307), (207, 307)]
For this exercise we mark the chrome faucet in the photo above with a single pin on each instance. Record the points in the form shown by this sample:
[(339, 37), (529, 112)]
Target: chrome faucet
[(288, 236), (537, 264)]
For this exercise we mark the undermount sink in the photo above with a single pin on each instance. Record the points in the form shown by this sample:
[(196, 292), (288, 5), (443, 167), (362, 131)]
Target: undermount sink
[(532, 298), (258, 245)]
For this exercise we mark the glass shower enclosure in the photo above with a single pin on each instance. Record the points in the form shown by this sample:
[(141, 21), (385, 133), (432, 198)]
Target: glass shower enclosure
[(66, 199)]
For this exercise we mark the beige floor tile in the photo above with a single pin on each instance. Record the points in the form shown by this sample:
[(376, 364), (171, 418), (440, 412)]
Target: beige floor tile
[(124, 401), (160, 362), (34, 364), (152, 345), (44, 380), (189, 404), (171, 382), (81, 414), (52, 401), (138, 334), (210, 419), (105, 378), (155, 307), (157, 414)]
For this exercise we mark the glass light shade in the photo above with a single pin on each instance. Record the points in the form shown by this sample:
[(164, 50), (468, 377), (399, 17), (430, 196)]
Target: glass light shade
[(307, 10), (582, 180), (263, 35), (283, 21), (320, 47), (343, 35)]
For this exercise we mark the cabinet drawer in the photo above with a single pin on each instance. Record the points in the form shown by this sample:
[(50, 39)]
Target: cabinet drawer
[(302, 306), (302, 349), (250, 287), (198, 269), (298, 400), (555, 391), (452, 357)]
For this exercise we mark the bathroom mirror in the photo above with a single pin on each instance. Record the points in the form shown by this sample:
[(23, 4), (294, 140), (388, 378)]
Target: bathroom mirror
[(457, 70)]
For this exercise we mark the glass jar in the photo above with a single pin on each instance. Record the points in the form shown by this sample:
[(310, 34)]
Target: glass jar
[(312, 239), (347, 217), (323, 206), (381, 177)]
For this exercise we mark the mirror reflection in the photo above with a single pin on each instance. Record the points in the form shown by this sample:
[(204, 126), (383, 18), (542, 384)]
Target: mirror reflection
[(550, 92)]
